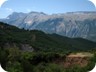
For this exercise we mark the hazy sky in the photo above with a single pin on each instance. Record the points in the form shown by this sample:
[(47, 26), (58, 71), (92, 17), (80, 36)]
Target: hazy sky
[(46, 6)]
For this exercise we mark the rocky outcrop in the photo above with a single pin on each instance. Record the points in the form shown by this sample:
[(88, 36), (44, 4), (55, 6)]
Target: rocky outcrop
[(76, 61), (26, 47), (23, 47)]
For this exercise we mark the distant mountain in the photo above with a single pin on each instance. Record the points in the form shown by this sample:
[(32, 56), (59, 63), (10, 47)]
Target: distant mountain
[(71, 24), (11, 36)]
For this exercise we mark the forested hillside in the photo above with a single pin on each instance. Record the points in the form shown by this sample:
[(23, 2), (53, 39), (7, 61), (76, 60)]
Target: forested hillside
[(35, 51)]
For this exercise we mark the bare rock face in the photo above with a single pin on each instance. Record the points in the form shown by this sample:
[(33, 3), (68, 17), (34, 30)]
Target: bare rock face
[(23, 47), (73, 24), (26, 47), (76, 61)]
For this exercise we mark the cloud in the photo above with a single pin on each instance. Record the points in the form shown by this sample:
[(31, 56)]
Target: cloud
[(2, 2), (28, 10), (9, 9)]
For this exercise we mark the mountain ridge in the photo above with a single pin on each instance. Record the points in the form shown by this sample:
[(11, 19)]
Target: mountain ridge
[(71, 24)]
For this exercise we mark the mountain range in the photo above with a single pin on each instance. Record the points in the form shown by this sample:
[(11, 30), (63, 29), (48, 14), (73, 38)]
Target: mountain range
[(71, 24)]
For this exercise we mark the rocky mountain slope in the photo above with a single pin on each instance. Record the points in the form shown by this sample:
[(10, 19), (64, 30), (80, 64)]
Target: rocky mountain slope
[(72, 24)]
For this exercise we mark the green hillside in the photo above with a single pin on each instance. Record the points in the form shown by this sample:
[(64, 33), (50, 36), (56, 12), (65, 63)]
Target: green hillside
[(41, 41), (35, 51)]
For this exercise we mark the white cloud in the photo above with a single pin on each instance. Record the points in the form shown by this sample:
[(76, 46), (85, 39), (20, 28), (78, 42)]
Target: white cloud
[(28, 10), (2, 2), (9, 9)]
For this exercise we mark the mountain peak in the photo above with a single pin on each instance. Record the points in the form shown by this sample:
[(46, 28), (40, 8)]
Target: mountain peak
[(16, 15), (37, 13)]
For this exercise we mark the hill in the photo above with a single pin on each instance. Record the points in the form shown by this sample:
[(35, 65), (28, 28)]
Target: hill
[(40, 41)]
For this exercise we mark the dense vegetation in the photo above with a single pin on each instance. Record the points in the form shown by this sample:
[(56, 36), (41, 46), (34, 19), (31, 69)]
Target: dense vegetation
[(46, 49), (14, 60), (41, 41)]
